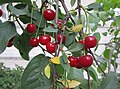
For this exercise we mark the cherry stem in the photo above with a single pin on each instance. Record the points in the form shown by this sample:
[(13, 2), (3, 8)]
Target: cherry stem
[(97, 62), (32, 14), (38, 26), (89, 82)]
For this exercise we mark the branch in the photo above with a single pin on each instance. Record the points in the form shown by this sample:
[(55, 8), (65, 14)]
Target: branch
[(65, 21), (67, 12), (96, 61), (89, 83), (19, 23), (79, 10)]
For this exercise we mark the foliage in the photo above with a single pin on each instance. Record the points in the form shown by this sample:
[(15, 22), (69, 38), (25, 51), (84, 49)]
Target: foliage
[(41, 72), (10, 78)]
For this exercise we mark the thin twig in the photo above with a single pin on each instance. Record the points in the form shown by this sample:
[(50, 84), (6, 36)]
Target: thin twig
[(65, 21), (79, 10), (96, 61), (56, 39), (68, 15), (19, 24), (89, 83)]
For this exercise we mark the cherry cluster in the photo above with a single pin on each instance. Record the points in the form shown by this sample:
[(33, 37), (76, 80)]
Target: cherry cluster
[(46, 39), (86, 60)]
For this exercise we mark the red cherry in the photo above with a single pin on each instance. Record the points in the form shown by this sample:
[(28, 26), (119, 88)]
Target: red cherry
[(52, 25), (49, 14), (59, 22), (1, 12), (59, 36), (85, 61), (73, 61), (90, 42), (50, 47), (44, 39), (34, 42), (81, 42), (31, 28), (10, 42)]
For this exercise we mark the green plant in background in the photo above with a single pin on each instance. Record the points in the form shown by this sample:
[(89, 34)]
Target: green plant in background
[(10, 78), (70, 37)]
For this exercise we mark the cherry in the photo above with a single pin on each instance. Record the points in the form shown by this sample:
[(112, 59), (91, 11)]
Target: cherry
[(34, 42), (59, 22), (49, 14), (81, 42), (90, 42), (73, 61), (1, 12), (10, 42), (31, 28), (44, 39), (85, 61), (59, 36), (50, 47)]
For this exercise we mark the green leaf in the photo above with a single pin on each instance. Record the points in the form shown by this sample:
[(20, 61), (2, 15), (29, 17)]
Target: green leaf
[(75, 47), (105, 33), (97, 35), (69, 24), (118, 21), (60, 69), (10, 1), (18, 11), (109, 82), (99, 1), (33, 76), (95, 85), (103, 66), (37, 17), (72, 2), (94, 6), (7, 31), (22, 44), (65, 65), (107, 53), (50, 29), (75, 74), (65, 58), (93, 74), (69, 38), (103, 16), (93, 18)]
